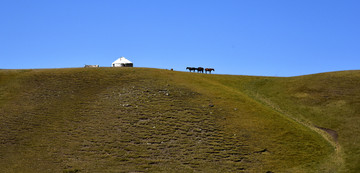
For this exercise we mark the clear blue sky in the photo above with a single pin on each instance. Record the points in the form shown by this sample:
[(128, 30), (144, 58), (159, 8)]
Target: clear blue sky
[(242, 37)]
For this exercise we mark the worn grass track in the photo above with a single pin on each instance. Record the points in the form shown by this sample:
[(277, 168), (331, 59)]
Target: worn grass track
[(327, 100), (136, 120)]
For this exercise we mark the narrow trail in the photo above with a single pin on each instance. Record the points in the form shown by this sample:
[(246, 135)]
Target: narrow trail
[(258, 98), (319, 130), (331, 136), (335, 161)]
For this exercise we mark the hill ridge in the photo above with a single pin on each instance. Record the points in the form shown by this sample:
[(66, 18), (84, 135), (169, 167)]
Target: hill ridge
[(134, 119)]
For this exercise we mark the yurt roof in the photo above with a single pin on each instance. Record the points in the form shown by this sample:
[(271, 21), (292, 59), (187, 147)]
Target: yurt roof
[(122, 60)]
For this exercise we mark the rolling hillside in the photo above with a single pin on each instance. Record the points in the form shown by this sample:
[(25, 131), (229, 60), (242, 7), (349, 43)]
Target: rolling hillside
[(152, 120)]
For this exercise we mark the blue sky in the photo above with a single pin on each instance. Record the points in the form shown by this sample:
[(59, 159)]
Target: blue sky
[(241, 37)]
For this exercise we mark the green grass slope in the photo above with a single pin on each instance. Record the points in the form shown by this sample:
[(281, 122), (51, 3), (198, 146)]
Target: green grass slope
[(327, 100), (151, 120)]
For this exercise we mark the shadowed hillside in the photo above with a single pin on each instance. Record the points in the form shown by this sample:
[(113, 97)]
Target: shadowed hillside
[(135, 120)]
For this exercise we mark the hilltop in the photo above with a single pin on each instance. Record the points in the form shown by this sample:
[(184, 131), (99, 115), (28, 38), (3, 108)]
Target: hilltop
[(152, 120)]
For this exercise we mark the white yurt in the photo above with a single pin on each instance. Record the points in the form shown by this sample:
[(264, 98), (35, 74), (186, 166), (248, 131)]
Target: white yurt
[(122, 62)]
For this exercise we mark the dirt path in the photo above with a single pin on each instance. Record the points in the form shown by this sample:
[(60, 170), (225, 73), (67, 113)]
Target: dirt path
[(337, 157)]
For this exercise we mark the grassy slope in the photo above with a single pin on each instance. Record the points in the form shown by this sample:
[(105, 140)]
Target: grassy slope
[(329, 100), (133, 119)]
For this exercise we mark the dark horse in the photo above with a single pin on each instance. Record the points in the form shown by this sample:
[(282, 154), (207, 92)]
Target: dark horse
[(209, 70), (191, 69), (200, 69)]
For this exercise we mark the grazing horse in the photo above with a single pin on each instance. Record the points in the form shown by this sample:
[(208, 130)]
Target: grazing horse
[(191, 69), (209, 70), (200, 69)]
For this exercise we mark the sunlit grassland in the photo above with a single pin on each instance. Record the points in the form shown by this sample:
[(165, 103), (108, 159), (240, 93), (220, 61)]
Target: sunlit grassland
[(329, 100), (291, 144), (139, 119)]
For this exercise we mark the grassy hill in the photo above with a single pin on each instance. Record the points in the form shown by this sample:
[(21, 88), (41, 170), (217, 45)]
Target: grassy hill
[(151, 120)]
